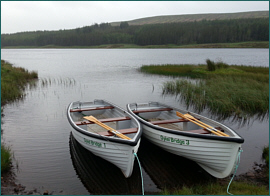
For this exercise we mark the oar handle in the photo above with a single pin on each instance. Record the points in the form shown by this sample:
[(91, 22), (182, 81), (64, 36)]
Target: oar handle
[(191, 120), (220, 132), (93, 119)]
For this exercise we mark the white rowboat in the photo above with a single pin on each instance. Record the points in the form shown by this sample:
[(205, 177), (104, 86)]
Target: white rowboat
[(101, 141), (217, 154)]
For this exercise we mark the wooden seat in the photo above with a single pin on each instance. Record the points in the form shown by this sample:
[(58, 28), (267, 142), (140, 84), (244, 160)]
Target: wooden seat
[(199, 131), (160, 122), (123, 131), (203, 131), (104, 120), (89, 109), (152, 110)]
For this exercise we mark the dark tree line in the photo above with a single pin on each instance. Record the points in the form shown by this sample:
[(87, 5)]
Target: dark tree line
[(217, 31)]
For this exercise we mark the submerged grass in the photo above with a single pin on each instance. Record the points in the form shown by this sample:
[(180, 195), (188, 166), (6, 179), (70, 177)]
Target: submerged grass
[(239, 91)]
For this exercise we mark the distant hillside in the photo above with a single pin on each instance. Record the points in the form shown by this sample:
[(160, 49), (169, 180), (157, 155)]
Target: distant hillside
[(178, 33), (195, 17)]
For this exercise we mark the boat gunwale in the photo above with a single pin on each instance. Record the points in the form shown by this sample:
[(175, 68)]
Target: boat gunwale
[(132, 142), (203, 136)]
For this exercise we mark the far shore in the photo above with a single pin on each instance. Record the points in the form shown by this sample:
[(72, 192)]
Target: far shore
[(261, 44)]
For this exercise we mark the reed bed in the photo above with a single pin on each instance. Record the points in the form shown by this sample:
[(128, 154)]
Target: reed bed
[(226, 96), (6, 158), (224, 90), (66, 82), (13, 81)]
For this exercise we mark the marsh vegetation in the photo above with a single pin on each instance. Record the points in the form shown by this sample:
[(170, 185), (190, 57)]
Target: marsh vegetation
[(13, 81), (224, 90)]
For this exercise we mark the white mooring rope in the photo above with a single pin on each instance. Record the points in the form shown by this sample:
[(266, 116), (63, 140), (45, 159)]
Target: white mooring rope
[(237, 164), (141, 172)]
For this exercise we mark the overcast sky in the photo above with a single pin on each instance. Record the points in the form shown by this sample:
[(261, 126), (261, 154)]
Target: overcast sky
[(18, 16)]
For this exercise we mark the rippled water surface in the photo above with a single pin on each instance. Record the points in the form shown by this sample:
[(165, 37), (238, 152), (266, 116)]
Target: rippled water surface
[(48, 157)]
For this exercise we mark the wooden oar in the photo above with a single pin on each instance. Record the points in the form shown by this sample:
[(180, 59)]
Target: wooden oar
[(93, 119), (191, 120), (192, 117)]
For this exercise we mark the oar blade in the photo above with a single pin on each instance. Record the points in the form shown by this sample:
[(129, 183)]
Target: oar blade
[(195, 121), (220, 132)]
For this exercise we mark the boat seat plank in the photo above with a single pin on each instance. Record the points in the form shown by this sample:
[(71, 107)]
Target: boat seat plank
[(152, 110), (123, 131), (199, 131), (89, 109), (160, 122), (105, 120)]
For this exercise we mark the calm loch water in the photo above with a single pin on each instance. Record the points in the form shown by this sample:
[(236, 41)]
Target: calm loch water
[(37, 130)]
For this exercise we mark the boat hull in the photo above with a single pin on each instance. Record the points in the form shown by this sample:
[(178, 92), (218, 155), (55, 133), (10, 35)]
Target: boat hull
[(101, 142), (120, 155), (218, 158), (215, 154)]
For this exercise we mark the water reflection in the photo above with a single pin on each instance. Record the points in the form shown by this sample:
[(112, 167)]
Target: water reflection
[(165, 170), (101, 177), (168, 170)]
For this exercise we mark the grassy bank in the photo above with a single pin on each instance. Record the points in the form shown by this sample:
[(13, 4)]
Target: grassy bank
[(5, 159), (13, 81), (225, 90), (261, 44), (236, 188)]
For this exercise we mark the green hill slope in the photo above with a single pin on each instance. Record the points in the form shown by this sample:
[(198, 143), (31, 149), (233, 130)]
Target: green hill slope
[(195, 17)]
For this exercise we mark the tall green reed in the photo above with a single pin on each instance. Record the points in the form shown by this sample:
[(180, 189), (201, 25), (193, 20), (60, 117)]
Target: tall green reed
[(6, 158), (226, 96), (13, 81)]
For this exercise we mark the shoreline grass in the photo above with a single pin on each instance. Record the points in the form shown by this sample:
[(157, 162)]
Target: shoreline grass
[(6, 159), (255, 44), (236, 188), (225, 90), (13, 81)]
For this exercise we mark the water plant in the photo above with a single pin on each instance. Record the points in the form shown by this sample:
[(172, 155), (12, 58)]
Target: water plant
[(265, 155), (5, 159), (13, 81), (210, 65), (223, 96), (225, 90)]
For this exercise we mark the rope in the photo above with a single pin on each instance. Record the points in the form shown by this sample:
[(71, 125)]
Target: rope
[(141, 172), (238, 162)]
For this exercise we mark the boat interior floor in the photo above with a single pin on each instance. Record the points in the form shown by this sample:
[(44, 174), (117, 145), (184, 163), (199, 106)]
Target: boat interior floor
[(176, 127)]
